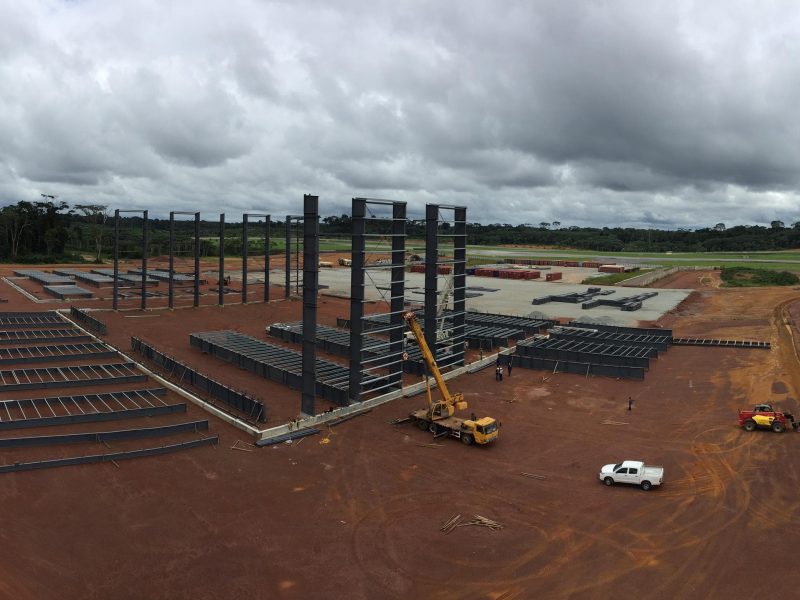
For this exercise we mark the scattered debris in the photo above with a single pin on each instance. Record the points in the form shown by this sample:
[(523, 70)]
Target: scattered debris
[(450, 524), (429, 445), (614, 423), (236, 446), (531, 475), (455, 521)]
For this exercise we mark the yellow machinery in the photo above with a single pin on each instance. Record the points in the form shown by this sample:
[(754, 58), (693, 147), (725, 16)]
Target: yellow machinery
[(439, 417)]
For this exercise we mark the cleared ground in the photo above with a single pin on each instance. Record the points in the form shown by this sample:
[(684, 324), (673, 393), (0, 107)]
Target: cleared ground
[(355, 512)]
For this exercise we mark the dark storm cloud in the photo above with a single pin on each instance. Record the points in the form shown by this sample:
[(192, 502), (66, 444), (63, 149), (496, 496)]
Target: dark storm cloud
[(594, 113)]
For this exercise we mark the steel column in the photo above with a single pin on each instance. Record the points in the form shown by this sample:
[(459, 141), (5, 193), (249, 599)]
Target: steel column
[(459, 282), (358, 246), (221, 282), (197, 259), (431, 279), (144, 260), (288, 254), (244, 258), (171, 259), (397, 287), (310, 290), (115, 284), (266, 256)]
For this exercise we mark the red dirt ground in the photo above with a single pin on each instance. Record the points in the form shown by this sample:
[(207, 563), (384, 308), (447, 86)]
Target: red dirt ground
[(355, 512)]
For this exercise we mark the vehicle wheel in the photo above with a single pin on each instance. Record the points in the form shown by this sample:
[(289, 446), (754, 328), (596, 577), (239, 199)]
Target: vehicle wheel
[(433, 428), (466, 439), (777, 426), (422, 424), (749, 425), (646, 485), (608, 481)]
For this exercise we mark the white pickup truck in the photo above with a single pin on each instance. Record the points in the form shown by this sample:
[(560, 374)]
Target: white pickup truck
[(632, 471)]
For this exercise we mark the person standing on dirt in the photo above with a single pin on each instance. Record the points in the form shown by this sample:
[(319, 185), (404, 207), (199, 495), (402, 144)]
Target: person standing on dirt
[(630, 403), (497, 373), (500, 373), (510, 364)]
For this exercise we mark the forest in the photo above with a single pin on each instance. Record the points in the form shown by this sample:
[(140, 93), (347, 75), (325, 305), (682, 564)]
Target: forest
[(50, 231)]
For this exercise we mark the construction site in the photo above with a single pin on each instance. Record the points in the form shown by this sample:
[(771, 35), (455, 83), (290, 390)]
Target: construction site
[(279, 426)]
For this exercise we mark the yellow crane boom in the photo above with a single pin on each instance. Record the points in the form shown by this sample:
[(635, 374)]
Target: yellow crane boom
[(450, 400)]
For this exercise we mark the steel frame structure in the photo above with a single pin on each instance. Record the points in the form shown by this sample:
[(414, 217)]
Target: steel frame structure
[(361, 217), (115, 300), (433, 235), (172, 257), (292, 224), (245, 240)]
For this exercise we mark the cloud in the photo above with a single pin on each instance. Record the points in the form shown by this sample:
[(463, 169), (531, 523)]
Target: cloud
[(640, 114)]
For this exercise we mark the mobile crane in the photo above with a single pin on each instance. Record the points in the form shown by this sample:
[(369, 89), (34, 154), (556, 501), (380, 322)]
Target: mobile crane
[(438, 417)]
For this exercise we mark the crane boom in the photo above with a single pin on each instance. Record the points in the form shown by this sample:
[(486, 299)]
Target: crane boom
[(427, 356)]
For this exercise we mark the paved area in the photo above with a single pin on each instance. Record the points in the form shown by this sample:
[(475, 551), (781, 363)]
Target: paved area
[(514, 297)]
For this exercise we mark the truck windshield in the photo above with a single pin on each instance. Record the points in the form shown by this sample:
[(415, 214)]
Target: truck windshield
[(491, 428), (617, 466)]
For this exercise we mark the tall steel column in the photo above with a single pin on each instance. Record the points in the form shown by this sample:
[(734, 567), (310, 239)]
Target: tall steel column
[(357, 298), (197, 259), (115, 284), (459, 282), (267, 244), (310, 291), (397, 291), (244, 258), (145, 245), (221, 300), (171, 301), (288, 255), (431, 279)]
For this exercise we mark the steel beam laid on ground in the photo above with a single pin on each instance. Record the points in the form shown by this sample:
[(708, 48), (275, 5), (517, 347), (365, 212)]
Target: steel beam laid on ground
[(30, 320), (85, 408), (661, 343), (29, 354), (578, 368), (89, 321), (277, 363), (713, 343), (69, 376), (103, 436), (252, 408), (586, 352), (111, 457), (20, 336), (654, 331)]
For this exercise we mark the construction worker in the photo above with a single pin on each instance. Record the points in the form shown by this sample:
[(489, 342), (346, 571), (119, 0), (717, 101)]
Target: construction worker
[(630, 403)]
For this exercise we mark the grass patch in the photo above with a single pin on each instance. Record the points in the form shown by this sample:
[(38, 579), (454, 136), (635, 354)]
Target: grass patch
[(613, 278), (749, 277)]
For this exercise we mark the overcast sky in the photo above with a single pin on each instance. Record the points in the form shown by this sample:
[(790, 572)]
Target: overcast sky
[(658, 114)]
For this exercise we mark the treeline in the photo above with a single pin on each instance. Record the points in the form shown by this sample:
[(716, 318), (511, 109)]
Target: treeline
[(52, 231), (742, 238)]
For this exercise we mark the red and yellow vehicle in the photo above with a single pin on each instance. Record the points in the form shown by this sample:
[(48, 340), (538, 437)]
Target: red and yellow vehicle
[(763, 416)]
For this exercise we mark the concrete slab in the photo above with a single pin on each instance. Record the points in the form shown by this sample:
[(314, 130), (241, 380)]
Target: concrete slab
[(513, 296)]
